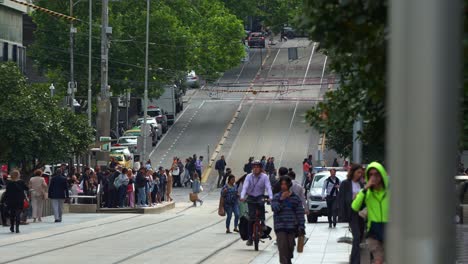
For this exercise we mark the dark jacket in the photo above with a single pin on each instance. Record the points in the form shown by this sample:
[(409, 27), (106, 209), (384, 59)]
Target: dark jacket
[(14, 194), (248, 168), (140, 180), (344, 200), (220, 165), (58, 188)]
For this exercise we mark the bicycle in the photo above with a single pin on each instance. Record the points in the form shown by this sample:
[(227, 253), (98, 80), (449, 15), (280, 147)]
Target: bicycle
[(257, 228)]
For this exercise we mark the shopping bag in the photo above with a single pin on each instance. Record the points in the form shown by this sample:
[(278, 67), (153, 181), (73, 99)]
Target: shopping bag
[(300, 244), (221, 211)]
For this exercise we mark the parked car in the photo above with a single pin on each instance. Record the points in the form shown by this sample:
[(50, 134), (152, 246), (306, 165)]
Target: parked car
[(318, 206), (256, 40), (128, 141), (291, 33), (153, 122), (158, 113), (136, 131), (122, 155), (192, 80)]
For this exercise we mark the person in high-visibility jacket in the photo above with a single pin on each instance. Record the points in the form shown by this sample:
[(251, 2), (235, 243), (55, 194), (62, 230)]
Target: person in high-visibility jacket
[(375, 196)]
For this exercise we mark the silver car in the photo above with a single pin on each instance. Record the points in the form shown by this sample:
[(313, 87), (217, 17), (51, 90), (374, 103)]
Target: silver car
[(317, 206), (153, 122), (128, 141)]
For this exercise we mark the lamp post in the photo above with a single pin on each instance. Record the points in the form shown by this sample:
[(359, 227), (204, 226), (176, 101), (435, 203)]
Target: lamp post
[(145, 103), (52, 89)]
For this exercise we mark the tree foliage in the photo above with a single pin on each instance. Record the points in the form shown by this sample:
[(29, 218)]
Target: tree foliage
[(353, 35), (198, 35), (33, 126)]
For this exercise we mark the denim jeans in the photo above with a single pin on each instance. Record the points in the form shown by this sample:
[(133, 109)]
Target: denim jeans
[(122, 195), (229, 209), (141, 196)]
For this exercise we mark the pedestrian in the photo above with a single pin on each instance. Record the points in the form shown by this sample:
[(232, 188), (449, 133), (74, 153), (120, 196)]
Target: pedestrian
[(283, 172), (38, 188), (375, 195), (305, 170), (271, 170), (113, 163), (196, 188), (231, 203), (283, 36), (140, 183), (263, 161), (335, 163), (85, 180), (308, 182), (75, 190), (298, 190), (187, 174), (148, 165), (131, 189), (243, 207), (220, 166), (288, 218), (199, 166), (169, 186), (175, 172), (162, 183), (349, 189), (14, 199), (121, 183), (248, 166), (137, 164), (113, 191), (3, 209), (329, 192), (226, 175), (309, 160), (58, 193), (149, 189), (181, 171)]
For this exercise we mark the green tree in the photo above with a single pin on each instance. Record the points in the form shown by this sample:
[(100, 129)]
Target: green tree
[(352, 34), (34, 127), (184, 35)]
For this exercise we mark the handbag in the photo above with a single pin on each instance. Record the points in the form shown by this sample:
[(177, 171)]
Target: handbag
[(300, 244), (193, 197), (25, 203), (221, 211)]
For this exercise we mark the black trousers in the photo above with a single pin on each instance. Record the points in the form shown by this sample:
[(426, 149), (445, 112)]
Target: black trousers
[(332, 210), (15, 217), (357, 229)]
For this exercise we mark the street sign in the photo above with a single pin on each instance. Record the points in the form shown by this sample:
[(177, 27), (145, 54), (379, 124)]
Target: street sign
[(107, 143)]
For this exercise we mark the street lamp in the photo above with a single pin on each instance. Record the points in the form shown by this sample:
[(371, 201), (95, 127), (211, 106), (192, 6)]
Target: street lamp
[(52, 89)]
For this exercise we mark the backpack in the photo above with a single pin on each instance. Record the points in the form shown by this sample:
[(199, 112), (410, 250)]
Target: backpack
[(243, 228), (117, 182)]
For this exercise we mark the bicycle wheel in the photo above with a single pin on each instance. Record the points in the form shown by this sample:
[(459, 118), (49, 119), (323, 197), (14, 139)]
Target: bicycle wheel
[(256, 236)]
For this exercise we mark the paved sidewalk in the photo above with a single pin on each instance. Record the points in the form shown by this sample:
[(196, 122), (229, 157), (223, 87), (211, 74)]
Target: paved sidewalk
[(321, 248)]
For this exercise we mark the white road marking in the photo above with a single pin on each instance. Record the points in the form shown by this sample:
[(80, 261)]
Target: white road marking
[(201, 105), (289, 132), (169, 130), (308, 64)]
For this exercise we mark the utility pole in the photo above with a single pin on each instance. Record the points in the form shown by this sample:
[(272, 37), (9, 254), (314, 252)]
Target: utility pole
[(72, 79), (145, 99), (103, 119), (90, 45), (357, 143), (423, 99), (89, 60)]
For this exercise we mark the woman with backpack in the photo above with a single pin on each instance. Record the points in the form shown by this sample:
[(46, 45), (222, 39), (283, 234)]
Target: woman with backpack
[(231, 203)]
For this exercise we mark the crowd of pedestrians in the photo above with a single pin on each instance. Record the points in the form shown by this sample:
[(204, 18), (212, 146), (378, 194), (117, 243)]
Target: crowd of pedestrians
[(361, 201)]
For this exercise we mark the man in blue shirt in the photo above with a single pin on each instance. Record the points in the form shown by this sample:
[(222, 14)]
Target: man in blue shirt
[(253, 192)]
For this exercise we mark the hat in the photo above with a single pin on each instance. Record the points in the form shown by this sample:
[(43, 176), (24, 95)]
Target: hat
[(161, 168)]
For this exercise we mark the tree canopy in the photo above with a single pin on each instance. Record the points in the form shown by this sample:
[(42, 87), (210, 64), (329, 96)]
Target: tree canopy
[(200, 35), (33, 126), (353, 35)]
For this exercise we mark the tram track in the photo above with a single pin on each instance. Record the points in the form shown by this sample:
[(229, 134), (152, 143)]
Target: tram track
[(68, 231), (88, 240)]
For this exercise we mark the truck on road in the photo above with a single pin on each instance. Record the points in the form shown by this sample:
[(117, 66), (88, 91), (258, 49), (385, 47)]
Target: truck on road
[(170, 102)]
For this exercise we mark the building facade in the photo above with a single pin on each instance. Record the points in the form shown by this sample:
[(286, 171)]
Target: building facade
[(11, 33)]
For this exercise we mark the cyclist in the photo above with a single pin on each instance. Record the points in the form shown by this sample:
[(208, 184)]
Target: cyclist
[(253, 192)]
